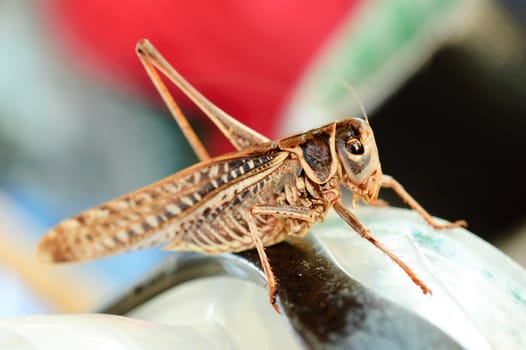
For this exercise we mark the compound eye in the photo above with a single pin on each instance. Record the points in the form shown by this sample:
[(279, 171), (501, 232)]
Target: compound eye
[(354, 146)]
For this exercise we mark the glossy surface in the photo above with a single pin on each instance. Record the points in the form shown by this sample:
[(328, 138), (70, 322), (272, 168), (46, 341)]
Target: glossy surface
[(478, 296)]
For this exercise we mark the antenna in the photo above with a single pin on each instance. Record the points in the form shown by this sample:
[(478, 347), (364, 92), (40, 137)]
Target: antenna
[(357, 98)]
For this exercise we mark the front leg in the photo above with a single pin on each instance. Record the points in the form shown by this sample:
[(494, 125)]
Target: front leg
[(357, 226), (389, 182), (299, 213)]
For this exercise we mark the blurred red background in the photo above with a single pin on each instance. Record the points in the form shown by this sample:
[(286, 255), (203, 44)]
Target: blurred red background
[(245, 57)]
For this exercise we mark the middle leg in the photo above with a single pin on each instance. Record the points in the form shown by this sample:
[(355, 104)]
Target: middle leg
[(299, 213)]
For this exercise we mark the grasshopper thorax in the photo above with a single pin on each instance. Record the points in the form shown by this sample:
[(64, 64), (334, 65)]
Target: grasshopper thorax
[(346, 147)]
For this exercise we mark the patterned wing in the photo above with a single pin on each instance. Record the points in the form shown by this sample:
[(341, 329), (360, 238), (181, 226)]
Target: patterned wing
[(161, 212)]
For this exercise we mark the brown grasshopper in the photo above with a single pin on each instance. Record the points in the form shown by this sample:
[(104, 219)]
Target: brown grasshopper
[(255, 197)]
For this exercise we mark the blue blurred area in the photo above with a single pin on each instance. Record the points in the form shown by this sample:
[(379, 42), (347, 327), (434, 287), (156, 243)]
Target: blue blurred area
[(68, 142), (17, 297)]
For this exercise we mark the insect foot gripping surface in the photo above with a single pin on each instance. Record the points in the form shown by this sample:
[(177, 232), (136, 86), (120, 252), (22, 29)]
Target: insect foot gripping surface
[(329, 310), (353, 221), (265, 264), (390, 182)]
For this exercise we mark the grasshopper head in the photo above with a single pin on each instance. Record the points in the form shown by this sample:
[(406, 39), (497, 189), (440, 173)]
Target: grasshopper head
[(356, 148)]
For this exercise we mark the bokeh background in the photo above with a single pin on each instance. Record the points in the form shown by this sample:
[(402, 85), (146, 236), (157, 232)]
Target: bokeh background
[(443, 83)]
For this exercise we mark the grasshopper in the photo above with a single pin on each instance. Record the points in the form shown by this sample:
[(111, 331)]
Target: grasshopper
[(252, 198)]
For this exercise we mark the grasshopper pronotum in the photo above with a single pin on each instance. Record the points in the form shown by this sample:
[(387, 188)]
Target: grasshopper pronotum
[(254, 197)]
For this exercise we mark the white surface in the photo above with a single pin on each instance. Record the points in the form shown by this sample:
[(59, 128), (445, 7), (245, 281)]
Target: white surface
[(214, 313), (92, 331), (478, 296), (15, 296), (240, 308)]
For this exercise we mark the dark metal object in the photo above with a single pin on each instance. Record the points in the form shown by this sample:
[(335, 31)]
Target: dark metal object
[(325, 307)]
